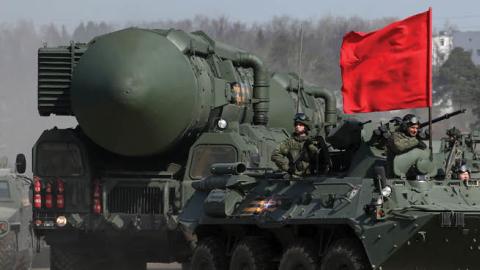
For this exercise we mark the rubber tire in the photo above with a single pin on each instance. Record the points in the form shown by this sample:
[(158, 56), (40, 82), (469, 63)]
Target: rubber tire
[(300, 255), (209, 255), (8, 254), (252, 254), (345, 254)]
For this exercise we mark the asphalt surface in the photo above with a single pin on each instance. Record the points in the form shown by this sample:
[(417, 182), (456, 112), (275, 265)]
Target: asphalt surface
[(41, 262)]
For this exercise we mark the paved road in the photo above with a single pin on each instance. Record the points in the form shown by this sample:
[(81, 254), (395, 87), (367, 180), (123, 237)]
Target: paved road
[(41, 262)]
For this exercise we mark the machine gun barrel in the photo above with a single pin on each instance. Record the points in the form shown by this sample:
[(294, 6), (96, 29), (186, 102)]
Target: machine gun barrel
[(443, 117)]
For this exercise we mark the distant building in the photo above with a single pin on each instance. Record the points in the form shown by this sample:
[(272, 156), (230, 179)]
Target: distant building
[(442, 45), (469, 41)]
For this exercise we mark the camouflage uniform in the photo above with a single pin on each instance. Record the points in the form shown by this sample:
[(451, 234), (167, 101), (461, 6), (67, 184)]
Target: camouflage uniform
[(297, 149), (400, 143)]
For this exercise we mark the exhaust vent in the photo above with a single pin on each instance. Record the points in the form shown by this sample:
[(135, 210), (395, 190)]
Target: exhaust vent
[(55, 69), (135, 200)]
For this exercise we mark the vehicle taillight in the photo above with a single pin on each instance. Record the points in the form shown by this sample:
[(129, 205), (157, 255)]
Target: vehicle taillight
[(48, 196), (97, 197), (48, 188), (60, 196), (48, 200), (37, 188), (60, 186), (37, 201), (60, 201), (37, 184)]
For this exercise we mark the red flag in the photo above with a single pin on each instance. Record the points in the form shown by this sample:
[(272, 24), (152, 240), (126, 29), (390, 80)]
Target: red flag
[(388, 69)]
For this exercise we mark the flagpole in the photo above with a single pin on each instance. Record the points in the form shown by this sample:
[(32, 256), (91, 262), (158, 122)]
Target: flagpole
[(429, 80), (430, 132)]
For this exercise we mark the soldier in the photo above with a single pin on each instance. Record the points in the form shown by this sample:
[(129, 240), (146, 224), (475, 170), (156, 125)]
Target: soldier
[(454, 136), (407, 137), (295, 155), (463, 173)]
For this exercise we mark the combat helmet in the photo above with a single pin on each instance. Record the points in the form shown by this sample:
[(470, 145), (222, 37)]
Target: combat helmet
[(463, 168), (409, 120), (302, 118), (454, 133)]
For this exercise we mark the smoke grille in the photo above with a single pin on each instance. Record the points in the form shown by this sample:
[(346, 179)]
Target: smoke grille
[(55, 68), (135, 200)]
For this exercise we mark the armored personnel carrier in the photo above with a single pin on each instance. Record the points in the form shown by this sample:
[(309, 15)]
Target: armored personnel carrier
[(155, 108), (365, 213), (16, 236)]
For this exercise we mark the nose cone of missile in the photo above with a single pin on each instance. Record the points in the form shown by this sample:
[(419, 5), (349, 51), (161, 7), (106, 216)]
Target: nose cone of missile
[(133, 92)]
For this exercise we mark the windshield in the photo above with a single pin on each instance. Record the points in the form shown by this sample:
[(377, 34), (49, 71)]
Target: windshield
[(206, 155), (59, 159), (4, 191)]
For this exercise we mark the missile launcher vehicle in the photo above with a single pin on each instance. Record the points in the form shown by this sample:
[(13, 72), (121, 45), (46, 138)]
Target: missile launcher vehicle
[(16, 236), (155, 109), (367, 212)]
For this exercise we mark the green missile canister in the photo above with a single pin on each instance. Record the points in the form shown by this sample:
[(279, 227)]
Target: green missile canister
[(140, 92), (135, 93)]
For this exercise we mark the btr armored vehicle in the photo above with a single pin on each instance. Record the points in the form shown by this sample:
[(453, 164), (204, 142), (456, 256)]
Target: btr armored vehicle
[(16, 236), (155, 109), (367, 212)]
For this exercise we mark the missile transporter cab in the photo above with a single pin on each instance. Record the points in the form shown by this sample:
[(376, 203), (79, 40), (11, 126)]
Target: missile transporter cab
[(16, 246), (155, 109), (367, 212)]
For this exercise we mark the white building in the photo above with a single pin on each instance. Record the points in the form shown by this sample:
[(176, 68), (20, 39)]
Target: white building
[(442, 45)]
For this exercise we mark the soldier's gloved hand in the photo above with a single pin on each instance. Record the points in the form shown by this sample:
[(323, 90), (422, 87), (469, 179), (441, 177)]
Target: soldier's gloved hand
[(427, 133), (421, 145), (387, 134), (285, 168), (309, 141)]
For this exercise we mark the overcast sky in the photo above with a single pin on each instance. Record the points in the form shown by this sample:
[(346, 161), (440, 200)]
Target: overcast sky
[(465, 13)]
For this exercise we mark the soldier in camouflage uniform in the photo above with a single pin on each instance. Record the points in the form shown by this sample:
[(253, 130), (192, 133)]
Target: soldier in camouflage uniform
[(407, 137), (295, 154)]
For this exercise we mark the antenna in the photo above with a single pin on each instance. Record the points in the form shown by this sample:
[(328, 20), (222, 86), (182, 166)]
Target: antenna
[(300, 52)]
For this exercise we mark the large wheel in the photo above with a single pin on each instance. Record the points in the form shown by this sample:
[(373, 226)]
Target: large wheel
[(300, 256), (8, 247), (209, 255), (345, 254), (252, 254)]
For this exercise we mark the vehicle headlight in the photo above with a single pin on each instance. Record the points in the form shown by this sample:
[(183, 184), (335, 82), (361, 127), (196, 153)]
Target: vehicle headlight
[(61, 221), (3, 228)]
